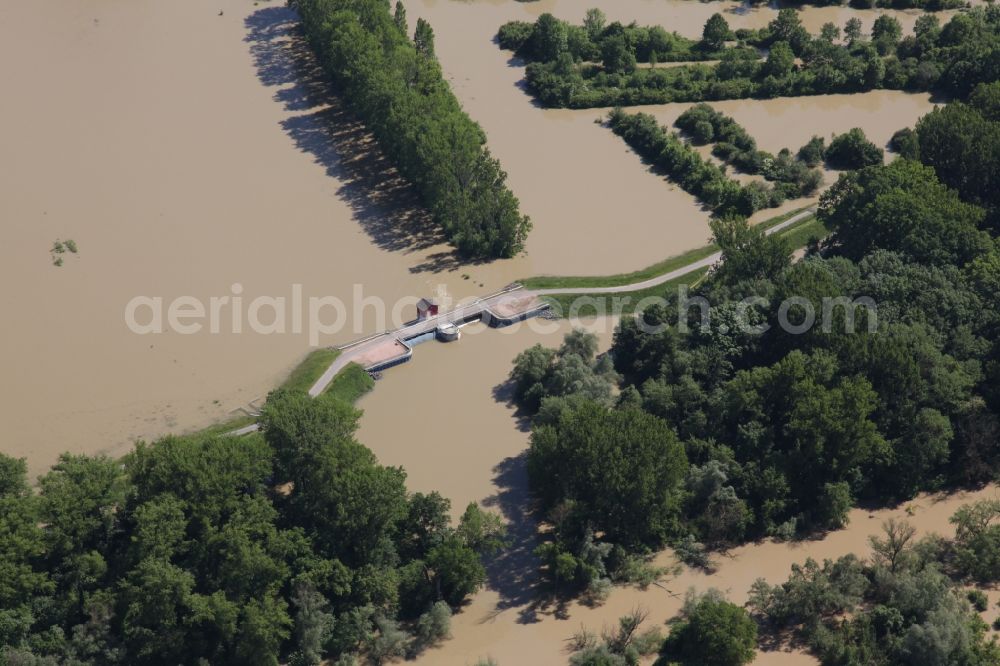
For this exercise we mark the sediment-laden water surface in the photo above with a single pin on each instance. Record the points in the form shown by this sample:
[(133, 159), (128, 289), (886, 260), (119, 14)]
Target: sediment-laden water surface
[(789, 122), (446, 417), (597, 208), (187, 147), (184, 147)]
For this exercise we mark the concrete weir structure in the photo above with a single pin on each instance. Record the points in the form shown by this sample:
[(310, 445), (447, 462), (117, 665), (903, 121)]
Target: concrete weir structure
[(391, 348)]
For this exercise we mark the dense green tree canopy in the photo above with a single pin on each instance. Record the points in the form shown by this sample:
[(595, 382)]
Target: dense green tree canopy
[(712, 632), (395, 85), (286, 547), (961, 143), (622, 469), (953, 60), (903, 207), (888, 393)]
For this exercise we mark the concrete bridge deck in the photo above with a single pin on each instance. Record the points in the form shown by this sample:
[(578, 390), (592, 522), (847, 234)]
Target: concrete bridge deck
[(390, 347)]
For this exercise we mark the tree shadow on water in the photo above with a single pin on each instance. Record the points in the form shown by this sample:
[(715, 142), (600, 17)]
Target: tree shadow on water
[(504, 393), (513, 574), (382, 201)]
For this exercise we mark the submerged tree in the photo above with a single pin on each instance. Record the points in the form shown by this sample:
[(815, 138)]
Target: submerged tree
[(399, 16), (716, 32), (423, 38), (712, 632)]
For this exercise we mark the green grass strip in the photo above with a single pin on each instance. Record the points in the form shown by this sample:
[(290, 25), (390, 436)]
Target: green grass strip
[(665, 266), (310, 369), (350, 384), (799, 235), (625, 303)]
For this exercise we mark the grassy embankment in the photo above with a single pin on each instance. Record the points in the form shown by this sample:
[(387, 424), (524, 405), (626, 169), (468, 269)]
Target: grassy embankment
[(349, 385), (797, 235)]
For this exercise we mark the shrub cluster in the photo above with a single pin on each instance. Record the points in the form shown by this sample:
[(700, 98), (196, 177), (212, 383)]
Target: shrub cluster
[(696, 175), (904, 605), (732, 144), (853, 150)]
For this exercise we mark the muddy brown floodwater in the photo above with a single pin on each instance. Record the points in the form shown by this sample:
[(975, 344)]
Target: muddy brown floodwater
[(597, 208), (184, 151), (187, 147), (184, 147), (445, 417)]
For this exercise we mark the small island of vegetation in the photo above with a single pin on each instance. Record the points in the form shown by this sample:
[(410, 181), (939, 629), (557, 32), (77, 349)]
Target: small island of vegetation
[(945, 58), (395, 85)]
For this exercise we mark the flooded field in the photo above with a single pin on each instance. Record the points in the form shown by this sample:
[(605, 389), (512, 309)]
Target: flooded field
[(597, 208), (185, 171), (187, 148), (183, 151), (791, 122)]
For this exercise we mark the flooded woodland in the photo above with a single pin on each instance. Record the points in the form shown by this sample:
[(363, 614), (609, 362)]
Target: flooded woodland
[(461, 435), (187, 147), (184, 171)]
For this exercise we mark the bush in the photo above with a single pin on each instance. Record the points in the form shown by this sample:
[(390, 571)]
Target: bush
[(812, 152), (597, 656), (834, 502), (977, 540), (692, 553), (906, 143), (978, 600), (703, 131), (853, 150), (432, 627), (514, 35), (388, 642), (712, 632)]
